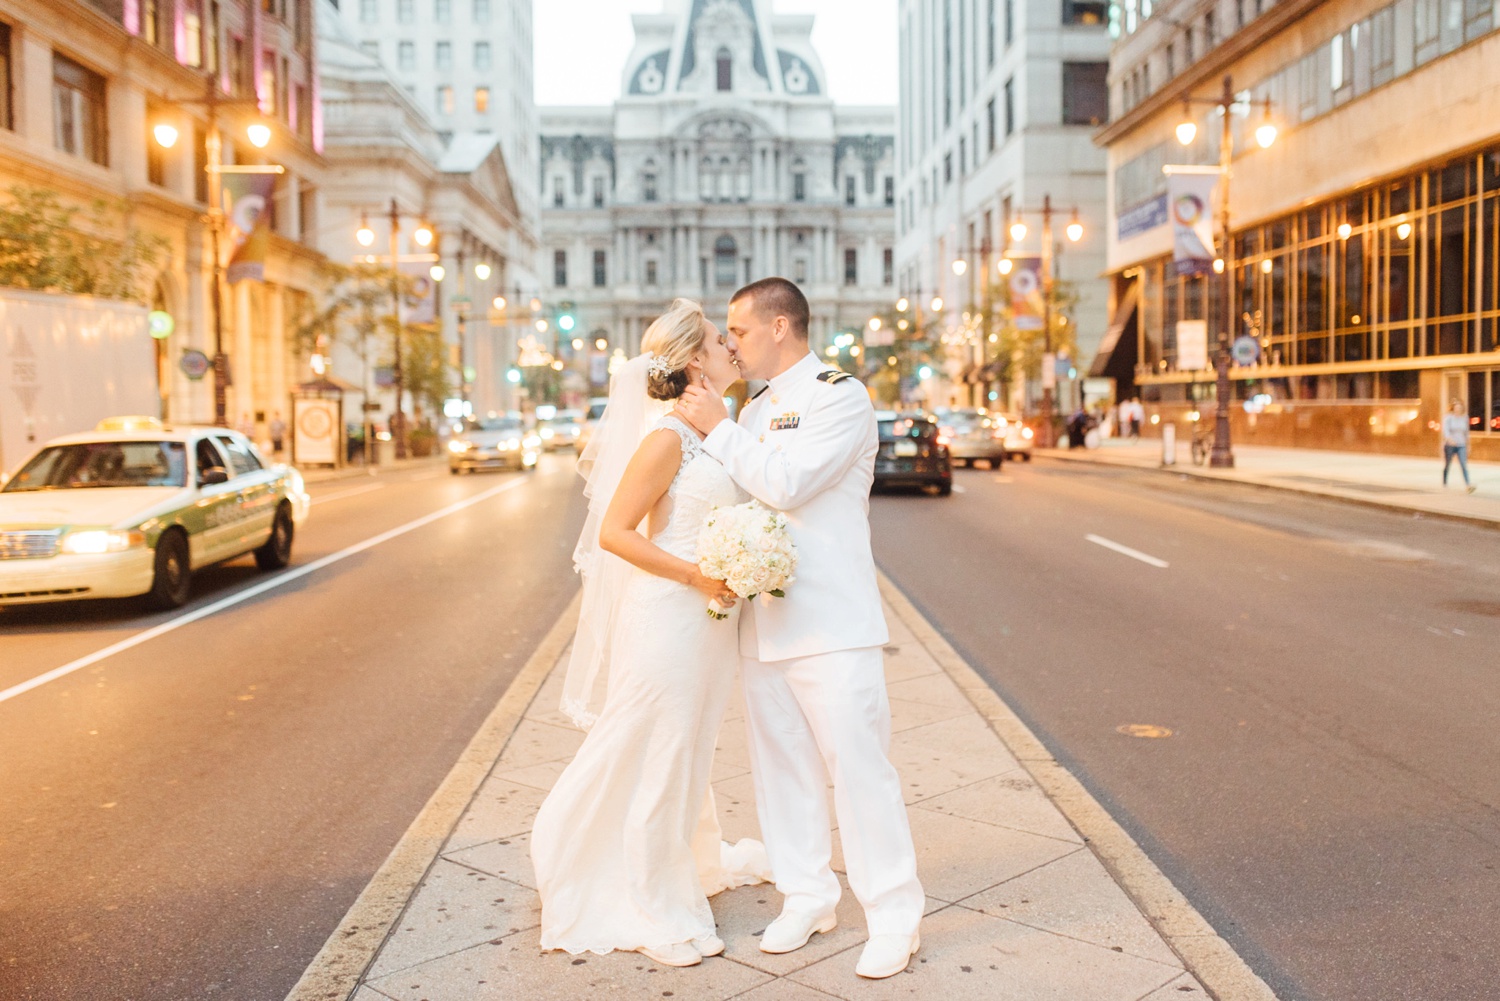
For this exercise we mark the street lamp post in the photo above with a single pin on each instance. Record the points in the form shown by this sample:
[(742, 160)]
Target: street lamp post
[(1222, 453), (1075, 233), (259, 135), (423, 237)]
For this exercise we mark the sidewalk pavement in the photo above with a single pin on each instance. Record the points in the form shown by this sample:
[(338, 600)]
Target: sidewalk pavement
[(1401, 482), (1034, 892)]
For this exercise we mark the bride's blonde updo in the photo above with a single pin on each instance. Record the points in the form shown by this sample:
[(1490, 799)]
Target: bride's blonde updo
[(673, 338)]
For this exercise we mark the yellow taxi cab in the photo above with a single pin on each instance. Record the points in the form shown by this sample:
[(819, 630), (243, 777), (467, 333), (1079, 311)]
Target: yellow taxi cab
[(135, 507)]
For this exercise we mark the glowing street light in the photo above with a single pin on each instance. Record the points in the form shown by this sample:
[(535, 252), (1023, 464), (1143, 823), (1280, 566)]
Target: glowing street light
[(166, 135), (259, 135), (423, 235), (498, 302), (1018, 230), (1005, 265), (365, 235), (937, 304), (960, 266), (874, 323), (437, 272), (482, 271), (1075, 228)]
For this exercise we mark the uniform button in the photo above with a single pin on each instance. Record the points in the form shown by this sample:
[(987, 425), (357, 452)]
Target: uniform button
[(778, 448), (762, 437), (775, 400)]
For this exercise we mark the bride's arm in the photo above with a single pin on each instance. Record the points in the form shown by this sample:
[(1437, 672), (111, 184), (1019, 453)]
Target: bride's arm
[(645, 482)]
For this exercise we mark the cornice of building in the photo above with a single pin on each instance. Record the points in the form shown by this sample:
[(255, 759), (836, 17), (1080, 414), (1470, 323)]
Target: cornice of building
[(1206, 70)]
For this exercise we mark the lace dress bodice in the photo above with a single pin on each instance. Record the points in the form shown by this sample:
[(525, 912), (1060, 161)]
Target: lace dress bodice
[(701, 484)]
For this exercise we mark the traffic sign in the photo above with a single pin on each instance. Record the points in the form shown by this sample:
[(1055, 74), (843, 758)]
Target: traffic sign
[(1245, 350)]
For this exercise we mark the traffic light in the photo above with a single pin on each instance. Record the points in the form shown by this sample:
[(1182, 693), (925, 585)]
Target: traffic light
[(566, 322)]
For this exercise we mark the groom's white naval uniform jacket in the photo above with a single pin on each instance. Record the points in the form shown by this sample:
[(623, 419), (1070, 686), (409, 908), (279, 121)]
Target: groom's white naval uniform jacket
[(806, 445), (813, 665)]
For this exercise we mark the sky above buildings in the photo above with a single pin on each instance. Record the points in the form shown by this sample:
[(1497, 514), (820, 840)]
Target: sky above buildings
[(581, 47)]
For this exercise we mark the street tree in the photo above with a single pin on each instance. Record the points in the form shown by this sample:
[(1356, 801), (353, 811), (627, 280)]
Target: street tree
[(46, 246)]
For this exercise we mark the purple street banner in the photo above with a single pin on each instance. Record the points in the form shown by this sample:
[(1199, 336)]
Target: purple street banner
[(247, 204), (1189, 202), (1026, 304)]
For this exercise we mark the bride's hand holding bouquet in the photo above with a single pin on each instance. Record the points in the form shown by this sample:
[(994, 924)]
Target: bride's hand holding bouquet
[(748, 548)]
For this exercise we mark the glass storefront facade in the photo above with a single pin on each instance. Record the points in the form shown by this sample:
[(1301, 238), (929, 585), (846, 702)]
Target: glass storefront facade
[(1386, 299)]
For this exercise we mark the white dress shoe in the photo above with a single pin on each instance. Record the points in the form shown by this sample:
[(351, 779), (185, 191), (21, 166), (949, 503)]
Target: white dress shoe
[(887, 955), (709, 945), (676, 954), (790, 932)]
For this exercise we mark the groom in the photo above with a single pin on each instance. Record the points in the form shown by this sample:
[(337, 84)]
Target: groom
[(812, 662)]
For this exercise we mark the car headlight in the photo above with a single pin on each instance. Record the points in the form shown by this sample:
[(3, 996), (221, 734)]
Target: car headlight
[(546, 434), (1026, 432), (512, 445), (458, 445), (533, 442), (97, 541)]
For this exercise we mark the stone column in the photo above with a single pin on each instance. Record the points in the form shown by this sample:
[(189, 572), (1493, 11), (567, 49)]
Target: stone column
[(125, 104)]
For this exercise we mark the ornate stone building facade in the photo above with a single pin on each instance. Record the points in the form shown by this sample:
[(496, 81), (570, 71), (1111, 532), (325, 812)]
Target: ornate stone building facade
[(723, 161)]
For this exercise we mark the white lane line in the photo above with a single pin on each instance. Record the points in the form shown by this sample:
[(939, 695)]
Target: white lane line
[(348, 493), (1003, 479), (251, 592), (1134, 554)]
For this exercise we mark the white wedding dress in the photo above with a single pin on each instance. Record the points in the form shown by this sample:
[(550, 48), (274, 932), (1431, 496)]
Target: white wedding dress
[(627, 846)]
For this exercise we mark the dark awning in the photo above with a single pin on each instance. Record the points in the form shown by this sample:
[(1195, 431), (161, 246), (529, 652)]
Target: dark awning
[(1124, 313)]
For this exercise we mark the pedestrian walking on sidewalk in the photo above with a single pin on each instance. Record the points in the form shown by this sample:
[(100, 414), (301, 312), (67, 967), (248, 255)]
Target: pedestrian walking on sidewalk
[(278, 433), (1456, 441)]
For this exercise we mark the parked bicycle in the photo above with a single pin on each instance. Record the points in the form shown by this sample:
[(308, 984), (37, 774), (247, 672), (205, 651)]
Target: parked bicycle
[(1203, 442)]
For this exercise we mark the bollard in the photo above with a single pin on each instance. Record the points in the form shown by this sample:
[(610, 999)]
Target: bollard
[(1169, 444)]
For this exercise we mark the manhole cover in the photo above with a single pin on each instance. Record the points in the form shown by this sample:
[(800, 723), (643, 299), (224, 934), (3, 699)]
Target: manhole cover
[(1143, 730)]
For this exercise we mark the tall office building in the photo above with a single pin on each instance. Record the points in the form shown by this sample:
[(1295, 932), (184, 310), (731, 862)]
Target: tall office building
[(468, 64), (1366, 267), (999, 101)]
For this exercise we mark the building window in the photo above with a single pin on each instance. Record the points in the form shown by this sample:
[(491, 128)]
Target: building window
[(481, 100), (371, 49), (369, 11), (78, 110), (1010, 22), (156, 157), (799, 187), (443, 56), (7, 115), (651, 273), (648, 188), (726, 256), (599, 269), (989, 125), (481, 11), (1010, 107), (481, 55), (725, 64), (406, 55), (598, 184), (948, 167), (851, 266), (989, 33), (1085, 93), (888, 267), (799, 270), (445, 99), (442, 11), (890, 191), (406, 11), (560, 268), (557, 192), (849, 188), (963, 156), (1084, 11), (1170, 54)]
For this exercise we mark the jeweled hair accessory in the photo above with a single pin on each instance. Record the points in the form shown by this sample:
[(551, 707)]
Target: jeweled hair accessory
[(659, 368)]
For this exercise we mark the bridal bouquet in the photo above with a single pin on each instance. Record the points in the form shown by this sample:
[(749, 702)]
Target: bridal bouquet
[(749, 548)]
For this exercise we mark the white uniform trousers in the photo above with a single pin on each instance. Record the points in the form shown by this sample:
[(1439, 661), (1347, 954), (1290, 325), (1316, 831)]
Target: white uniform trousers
[(809, 719)]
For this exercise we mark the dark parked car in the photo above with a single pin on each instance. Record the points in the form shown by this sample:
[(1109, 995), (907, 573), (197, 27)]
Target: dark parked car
[(911, 455)]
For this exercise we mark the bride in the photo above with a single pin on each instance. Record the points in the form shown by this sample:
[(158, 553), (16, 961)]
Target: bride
[(627, 845)]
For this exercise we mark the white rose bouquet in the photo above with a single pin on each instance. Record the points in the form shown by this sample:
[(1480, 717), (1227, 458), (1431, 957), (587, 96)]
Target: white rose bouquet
[(748, 547)]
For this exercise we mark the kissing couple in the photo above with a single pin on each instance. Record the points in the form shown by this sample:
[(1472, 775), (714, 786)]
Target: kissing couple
[(627, 846)]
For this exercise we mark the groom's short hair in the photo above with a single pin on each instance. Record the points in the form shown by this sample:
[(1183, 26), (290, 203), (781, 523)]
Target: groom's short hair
[(778, 297)]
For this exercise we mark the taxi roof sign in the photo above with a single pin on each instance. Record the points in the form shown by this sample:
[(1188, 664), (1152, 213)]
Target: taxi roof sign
[(130, 423)]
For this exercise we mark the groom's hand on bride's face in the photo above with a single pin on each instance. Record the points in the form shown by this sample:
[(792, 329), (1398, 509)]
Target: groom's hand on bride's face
[(704, 409)]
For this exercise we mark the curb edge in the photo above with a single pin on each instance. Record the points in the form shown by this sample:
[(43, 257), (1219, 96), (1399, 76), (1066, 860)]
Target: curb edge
[(1207, 956), (338, 969)]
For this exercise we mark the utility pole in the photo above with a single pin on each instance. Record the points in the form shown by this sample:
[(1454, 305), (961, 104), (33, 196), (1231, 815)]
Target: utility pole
[(398, 419)]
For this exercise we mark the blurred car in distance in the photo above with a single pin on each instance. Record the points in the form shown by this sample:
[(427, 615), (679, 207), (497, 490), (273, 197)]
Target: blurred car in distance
[(561, 432), (911, 454), (135, 507), (1018, 437), (591, 421), (493, 443), (973, 434)]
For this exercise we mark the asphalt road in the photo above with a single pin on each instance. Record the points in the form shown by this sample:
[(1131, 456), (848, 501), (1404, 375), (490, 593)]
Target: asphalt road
[(1328, 795), (191, 817)]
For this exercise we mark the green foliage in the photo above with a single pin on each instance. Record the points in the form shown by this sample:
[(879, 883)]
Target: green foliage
[(426, 368), (41, 248), (1019, 352)]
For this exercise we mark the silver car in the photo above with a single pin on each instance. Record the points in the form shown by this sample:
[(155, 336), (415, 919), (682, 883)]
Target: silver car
[(493, 443), (973, 435)]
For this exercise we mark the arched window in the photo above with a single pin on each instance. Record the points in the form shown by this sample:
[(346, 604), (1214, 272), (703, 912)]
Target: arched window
[(726, 63), (706, 179), (742, 180), (725, 255), (725, 179)]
